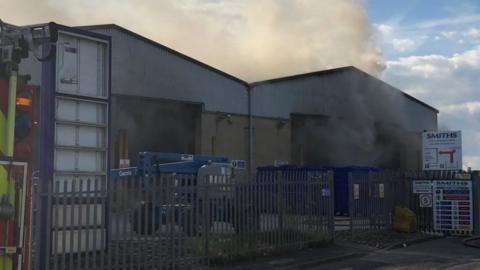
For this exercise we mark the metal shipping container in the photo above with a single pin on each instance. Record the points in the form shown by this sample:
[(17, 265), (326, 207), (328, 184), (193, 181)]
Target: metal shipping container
[(73, 140)]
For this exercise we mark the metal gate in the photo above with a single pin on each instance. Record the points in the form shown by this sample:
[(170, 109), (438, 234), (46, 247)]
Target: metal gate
[(369, 207), (176, 221)]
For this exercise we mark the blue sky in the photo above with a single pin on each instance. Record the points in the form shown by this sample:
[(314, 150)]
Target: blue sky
[(432, 51), (430, 24)]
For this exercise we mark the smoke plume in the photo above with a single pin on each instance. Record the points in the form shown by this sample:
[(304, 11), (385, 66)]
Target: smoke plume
[(251, 39)]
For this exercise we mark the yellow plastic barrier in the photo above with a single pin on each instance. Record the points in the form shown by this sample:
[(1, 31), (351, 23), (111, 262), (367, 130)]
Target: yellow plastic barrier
[(404, 220)]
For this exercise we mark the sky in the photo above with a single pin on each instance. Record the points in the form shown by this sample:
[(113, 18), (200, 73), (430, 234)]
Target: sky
[(427, 48), (432, 51)]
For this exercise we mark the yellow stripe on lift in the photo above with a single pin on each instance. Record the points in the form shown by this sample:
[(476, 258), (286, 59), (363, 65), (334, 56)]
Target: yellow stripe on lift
[(6, 262), (6, 186), (3, 134), (12, 96)]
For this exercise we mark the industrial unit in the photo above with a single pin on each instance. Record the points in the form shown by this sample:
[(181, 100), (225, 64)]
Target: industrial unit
[(163, 101)]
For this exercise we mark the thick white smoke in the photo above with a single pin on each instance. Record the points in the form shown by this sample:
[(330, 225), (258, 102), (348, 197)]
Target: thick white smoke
[(251, 39)]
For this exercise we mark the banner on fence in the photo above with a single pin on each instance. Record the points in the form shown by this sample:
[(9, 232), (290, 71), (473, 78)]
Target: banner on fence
[(452, 202)]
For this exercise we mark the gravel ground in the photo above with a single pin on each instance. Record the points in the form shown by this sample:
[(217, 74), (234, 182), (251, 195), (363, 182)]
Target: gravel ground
[(379, 239)]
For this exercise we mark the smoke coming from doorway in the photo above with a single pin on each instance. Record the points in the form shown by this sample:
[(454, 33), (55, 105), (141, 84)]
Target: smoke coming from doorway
[(373, 128), (251, 39)]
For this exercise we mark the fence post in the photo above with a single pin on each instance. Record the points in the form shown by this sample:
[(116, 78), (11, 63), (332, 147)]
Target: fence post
[(331, 204), (206, 204), (280, 198), (476, 201), (350, 202)]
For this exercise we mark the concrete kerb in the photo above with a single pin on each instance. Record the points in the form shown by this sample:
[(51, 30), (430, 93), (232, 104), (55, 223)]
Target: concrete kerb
[(402, 244), (473, 241)]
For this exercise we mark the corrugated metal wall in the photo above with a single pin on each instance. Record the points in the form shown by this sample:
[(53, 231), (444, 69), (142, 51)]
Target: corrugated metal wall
[(346, 117), (142, 69), (346, 93)]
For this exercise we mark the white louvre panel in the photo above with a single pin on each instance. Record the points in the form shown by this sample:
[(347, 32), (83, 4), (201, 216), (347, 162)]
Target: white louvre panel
[(81, 137), (78, 241), (81, 66), (73, 110)]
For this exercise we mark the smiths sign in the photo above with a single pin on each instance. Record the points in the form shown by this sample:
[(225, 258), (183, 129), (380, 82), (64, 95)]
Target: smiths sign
[(442, 150)]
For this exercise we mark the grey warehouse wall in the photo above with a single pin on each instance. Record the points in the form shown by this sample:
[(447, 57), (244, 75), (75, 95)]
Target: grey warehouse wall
[(346, 117), (144, 69), (345, 92)]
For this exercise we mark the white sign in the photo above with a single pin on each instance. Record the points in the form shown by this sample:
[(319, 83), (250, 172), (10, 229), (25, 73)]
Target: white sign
[(425, 200), (381, 191), (422, 186), (124, 163), (452, 205), (279, 163), (356, 191), (442, 150), (186, 157), (239, 164)]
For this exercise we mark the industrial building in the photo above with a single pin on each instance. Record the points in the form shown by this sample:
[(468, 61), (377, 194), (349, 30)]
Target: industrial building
[(165, 101)]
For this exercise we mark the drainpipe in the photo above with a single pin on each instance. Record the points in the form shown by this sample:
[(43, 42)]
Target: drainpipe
[(250, 130)]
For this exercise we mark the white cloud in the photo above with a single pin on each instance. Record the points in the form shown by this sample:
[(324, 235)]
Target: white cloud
[(384, 28), (472, 33), (403, 44), (449, 83), (396, 39), (436, 38), (460, 19), (448, 34), (467, 107)]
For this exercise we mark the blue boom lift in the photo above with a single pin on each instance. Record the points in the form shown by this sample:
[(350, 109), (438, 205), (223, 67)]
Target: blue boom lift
[(151, 215)]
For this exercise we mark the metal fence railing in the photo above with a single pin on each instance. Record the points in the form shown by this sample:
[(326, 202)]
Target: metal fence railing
[(173, 222), (374, 195)]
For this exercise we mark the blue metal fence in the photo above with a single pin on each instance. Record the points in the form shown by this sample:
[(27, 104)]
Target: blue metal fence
[(272, 174), (341, 186)]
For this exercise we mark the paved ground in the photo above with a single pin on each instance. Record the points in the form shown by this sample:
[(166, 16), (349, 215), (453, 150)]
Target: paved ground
[(300, 259), (446, 253)]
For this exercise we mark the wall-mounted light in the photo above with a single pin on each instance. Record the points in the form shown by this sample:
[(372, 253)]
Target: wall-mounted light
[(281, 123), (225, 116)]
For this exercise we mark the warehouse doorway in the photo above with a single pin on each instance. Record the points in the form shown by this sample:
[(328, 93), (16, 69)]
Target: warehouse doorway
[(309, 134), (148, 124)]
